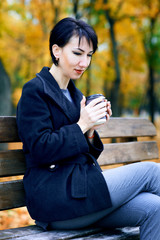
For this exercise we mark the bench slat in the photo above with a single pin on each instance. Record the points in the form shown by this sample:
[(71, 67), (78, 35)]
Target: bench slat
[(127, 127), (130, 233), (115, 153), (116, 234), (18, 232), (35, 232), (115, 127), (8, 130), (12, 163), (11, 195)]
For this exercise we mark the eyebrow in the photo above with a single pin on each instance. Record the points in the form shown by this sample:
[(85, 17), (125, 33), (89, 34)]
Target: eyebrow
[(83, 50)]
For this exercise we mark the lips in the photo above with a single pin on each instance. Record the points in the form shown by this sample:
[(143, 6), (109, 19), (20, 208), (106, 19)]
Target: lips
[(79, 71)]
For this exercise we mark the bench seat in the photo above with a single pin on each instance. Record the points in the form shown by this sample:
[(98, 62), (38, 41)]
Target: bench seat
[(36, 233)]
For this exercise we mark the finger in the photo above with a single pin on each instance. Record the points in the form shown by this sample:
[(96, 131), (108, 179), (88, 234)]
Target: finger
[(83, 102), (101, 105), (109, 104), (96, 101), (107, 117), (109, 111)]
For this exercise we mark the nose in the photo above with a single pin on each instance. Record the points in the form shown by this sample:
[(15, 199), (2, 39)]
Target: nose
[(84, 62)]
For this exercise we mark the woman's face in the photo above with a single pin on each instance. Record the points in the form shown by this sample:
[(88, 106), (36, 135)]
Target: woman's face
[(74, 58)]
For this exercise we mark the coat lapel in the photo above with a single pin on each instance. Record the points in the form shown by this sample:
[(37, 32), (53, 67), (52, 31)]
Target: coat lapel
[(52, 89)]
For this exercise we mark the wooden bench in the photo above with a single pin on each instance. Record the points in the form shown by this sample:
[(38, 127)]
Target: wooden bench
[(124, 147)]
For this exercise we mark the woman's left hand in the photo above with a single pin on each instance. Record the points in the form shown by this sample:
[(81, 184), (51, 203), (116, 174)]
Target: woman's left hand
[(109, 110), (108, 115)]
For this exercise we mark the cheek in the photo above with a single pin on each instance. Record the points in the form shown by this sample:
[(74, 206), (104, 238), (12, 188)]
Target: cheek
[(89, 62), (69, 61)]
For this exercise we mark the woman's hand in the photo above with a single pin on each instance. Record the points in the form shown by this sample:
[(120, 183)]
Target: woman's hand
[(109, 110), (90, 132), (91, 113)]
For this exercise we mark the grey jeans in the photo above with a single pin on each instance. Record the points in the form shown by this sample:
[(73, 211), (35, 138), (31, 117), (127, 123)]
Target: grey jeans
[(135, 195)]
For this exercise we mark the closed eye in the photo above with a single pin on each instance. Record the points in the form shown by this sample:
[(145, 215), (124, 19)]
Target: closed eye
[(77, 53)]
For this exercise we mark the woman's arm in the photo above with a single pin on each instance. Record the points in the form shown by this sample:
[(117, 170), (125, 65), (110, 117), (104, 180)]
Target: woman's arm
[(40, 139)]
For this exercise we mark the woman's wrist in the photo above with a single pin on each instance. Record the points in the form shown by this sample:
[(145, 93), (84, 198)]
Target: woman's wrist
[(91, 137), (82, 126), (90, 134)]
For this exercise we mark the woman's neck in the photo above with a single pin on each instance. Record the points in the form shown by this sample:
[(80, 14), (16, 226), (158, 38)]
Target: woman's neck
[(57, 74)]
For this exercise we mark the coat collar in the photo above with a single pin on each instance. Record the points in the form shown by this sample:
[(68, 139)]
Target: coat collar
[(52, 89)]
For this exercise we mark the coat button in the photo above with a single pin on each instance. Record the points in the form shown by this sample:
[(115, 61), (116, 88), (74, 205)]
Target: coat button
[(52, 166)]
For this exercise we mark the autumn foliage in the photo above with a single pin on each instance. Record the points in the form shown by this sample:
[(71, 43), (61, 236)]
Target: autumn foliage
[(128, 44)]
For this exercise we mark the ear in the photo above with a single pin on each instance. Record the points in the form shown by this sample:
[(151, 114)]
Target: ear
[(56, 51)]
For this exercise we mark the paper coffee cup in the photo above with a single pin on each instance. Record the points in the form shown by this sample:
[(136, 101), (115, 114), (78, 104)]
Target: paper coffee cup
[(92, 97)]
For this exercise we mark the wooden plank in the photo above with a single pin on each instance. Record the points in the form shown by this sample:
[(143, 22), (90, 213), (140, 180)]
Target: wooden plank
[(130, 233), (8, 130), (11, 195), (12, 163), (18, 232), (115, 127), (115, 153), (127, 127), (36, 233)]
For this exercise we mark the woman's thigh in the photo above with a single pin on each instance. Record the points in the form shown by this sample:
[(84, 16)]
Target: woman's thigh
[(143, 211), (126, 182)]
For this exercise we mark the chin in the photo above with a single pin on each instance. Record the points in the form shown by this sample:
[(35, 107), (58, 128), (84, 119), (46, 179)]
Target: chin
[(75, 77)]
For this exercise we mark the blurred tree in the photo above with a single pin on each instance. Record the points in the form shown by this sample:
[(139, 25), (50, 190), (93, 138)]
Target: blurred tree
[(5, 84), (76, 12), (5, 92), (24, 37), (117, 14), (149, 28), (119, 67), (115, 91)]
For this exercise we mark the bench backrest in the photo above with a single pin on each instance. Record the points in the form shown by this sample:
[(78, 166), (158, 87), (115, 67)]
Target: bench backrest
[(123, 148)]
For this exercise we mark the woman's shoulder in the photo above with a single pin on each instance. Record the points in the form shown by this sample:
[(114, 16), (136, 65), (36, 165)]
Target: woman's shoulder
[(33, 83), (33, 86)]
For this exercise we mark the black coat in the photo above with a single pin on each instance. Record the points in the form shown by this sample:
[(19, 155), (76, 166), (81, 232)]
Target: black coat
[(63, 179)]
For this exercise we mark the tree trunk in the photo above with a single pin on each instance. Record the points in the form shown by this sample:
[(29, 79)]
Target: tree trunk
[(5, 97), (5, 92), (75, 9), (88, 82), (151, 94), (115, 91), (151, 81)]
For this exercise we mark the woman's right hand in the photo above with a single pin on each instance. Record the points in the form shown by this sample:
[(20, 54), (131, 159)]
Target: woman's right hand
[(91, 113)]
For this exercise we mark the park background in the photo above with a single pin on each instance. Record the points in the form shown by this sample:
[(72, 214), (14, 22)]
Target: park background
[(126, 67)]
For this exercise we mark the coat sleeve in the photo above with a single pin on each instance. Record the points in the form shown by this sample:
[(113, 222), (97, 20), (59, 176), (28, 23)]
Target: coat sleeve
[(40, 140), (96, 147)]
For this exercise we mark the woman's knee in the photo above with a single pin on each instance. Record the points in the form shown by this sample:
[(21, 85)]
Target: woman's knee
[(144, 209), (149, 207), (153, 174), (150, 166)]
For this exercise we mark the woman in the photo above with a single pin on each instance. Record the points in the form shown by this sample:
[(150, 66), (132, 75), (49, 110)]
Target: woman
[(65, 187)]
